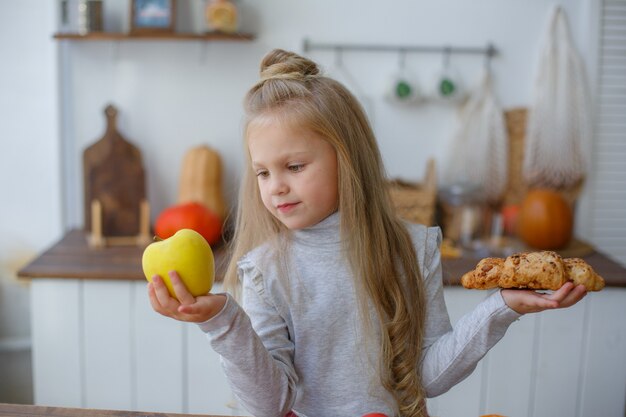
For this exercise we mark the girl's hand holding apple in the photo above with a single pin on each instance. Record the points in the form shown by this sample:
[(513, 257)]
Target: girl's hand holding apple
[(186, 299), (185, 307)]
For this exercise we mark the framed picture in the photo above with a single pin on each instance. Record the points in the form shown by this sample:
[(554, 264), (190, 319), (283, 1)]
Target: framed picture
[(152, 16)]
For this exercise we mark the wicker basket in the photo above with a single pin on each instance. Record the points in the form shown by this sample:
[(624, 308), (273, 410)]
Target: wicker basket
[(415, 202), (516, 187)]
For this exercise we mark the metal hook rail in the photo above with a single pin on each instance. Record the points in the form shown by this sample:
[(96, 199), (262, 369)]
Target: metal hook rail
[(489, 51)]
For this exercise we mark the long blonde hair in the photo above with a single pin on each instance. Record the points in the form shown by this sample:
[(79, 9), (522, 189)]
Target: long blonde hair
[(379, 248)]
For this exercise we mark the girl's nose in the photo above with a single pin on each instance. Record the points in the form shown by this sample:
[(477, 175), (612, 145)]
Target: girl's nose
[(277, 185)]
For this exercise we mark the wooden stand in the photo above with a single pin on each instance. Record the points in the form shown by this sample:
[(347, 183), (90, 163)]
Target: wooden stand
[(116, 206), (96, 238)]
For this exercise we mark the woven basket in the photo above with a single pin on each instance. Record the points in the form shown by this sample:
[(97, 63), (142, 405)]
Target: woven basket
[(516, 187), (415, 202)]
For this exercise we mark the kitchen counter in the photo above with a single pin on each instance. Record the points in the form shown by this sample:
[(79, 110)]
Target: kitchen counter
[(14, 410), (72, 257)]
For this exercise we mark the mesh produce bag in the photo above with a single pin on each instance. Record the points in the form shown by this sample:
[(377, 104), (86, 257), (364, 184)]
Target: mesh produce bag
[(558, 125), (479, 153)]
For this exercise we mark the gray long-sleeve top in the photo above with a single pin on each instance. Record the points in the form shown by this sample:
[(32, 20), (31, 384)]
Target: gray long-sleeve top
[(297, 343)]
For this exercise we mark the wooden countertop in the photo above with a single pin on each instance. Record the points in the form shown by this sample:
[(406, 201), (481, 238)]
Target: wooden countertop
[(72, 257), (14, 410)]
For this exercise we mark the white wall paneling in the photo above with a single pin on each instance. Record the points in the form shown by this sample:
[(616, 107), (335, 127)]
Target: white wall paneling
[(207, 387), (109, 348), (107, 327), (102, 339), (558, 362), (602, 379), (509, 371), (608, 180), (57, 342), (463, 399), (158, 348)]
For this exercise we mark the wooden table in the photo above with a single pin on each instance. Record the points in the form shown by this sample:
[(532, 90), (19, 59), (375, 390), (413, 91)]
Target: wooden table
[(72, 257), (13, 410)]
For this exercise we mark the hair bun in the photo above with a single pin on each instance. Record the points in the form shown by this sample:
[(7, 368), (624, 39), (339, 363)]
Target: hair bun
[(281, 64)]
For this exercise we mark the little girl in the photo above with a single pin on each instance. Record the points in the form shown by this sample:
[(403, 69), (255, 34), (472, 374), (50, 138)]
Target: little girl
[(342, 310)]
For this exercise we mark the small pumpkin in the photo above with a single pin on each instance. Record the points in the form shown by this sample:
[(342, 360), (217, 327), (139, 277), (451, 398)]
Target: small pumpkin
[(545, 220), (193, 216)]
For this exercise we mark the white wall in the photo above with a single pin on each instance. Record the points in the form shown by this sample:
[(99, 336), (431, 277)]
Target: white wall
[(30, 213), (174, 95)]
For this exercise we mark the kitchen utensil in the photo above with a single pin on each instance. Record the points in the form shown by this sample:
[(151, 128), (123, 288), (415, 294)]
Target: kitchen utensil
[(403, 87), (114, 185), (448, 86), (559, 120), (479, 153)]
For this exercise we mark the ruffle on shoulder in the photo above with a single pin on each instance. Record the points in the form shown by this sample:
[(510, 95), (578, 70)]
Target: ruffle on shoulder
[(426, 241), (432, 256), (249, 274)]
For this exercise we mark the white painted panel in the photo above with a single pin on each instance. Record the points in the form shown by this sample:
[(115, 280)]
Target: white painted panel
[(56, 342), (580, 362), (158, 355), (463, 399), (560, 340), (109, 380), (604, 379), (609, 172), (208, 387), (506, 387)]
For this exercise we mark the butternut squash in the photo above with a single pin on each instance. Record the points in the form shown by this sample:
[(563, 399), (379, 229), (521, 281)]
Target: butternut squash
[(201, 180)]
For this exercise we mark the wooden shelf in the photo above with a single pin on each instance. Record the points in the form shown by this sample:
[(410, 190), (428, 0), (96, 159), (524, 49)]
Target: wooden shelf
[(176, 36)]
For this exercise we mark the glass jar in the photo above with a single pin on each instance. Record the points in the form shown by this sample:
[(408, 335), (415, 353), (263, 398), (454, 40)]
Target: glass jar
[(462, 213), (81, 16)]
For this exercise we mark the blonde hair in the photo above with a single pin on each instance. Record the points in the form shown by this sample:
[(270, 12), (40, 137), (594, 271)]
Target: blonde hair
[(379, 248)]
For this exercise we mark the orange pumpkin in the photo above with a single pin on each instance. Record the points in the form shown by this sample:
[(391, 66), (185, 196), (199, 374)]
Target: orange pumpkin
[(545, 220), (193, 216)]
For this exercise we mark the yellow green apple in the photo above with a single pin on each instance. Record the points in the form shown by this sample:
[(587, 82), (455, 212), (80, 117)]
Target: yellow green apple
[(187, 253)]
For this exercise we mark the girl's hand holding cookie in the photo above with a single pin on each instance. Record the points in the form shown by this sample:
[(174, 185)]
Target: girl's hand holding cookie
[(187, 308), (529, 301)]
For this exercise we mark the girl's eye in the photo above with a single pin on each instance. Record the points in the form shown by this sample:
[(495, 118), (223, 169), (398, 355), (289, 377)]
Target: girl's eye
[(262, 174), (296, 167)]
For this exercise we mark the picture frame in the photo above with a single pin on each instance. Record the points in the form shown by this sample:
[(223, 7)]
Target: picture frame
[(152, 16)]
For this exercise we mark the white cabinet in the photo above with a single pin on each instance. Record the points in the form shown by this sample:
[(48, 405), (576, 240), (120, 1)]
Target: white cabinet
[(98, 344), (569, 362)]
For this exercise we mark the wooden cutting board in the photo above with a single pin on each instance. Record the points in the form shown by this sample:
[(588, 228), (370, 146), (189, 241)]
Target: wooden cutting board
[(114, 175)]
